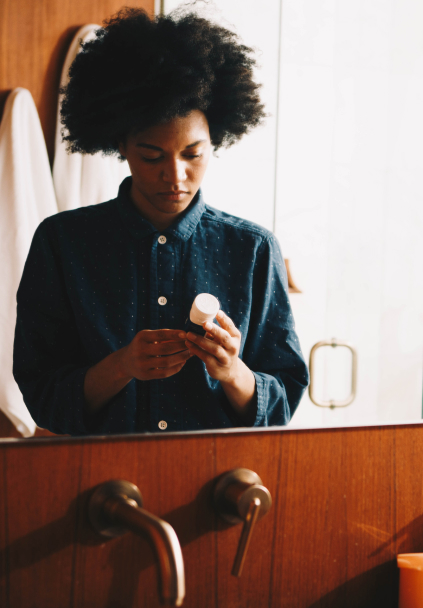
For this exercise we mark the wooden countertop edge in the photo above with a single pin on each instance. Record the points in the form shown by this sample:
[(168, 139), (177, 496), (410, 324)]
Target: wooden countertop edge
[(7, 441)]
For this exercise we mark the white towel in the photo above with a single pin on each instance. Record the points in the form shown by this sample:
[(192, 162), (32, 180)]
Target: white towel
[(83, 179), (27, 197)]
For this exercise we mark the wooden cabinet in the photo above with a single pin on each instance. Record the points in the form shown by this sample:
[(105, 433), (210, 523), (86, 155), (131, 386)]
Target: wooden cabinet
[(345, 502)]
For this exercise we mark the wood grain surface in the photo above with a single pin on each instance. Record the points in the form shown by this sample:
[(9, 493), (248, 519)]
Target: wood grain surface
[(34, 40), (173, 477), (4, 566), (345, 502), (262, 456), (42, 488)]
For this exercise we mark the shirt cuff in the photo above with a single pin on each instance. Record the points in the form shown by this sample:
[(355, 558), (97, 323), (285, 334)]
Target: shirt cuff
[(261, 415)]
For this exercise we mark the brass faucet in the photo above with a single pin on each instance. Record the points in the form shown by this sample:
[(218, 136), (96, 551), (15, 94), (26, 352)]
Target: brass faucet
[(116, 507)]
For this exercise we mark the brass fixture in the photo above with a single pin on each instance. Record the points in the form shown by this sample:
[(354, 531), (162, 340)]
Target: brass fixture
[(239, 496), (116, 507), (332, 403)]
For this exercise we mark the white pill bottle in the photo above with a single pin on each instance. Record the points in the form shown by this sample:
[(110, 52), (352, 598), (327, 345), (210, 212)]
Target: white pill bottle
[(204, 308)]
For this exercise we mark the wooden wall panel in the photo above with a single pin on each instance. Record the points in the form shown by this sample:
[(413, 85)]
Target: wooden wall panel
[(339, 508), (308, 464), (262, 456), (34, 39), (7, 429), (409, 492), (4, 566), (174, 478), (345, 502), (42, 488)]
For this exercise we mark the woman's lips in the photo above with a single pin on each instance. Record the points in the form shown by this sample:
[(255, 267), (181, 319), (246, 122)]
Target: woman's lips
[(173, 196)]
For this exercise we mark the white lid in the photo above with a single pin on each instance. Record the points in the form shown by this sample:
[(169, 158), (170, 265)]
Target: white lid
[(204, 308)]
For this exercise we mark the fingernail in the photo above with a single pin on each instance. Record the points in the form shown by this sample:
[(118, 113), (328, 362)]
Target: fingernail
[(207, 326), (182, 335)]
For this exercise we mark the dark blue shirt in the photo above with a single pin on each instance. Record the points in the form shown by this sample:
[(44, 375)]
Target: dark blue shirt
[(94, 278)]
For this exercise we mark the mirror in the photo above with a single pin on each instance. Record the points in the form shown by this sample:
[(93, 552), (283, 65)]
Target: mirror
[(337, 178), (335, 174)]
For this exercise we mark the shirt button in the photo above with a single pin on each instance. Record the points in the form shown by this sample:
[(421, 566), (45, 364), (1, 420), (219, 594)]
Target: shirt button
[(162, 301), (162, 239), (162, 425)]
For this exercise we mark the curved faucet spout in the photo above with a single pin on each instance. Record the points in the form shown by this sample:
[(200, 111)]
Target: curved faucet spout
[(162, 537), (116, 507)]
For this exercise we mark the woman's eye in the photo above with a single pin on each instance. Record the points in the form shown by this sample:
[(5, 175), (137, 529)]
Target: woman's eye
[(157, 158)]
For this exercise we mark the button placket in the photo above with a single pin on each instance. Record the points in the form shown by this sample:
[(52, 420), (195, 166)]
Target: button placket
[(162, 300), (154, 323), (165, 415)]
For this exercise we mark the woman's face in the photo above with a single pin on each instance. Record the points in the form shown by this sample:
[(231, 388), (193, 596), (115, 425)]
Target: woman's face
[(167, 163)]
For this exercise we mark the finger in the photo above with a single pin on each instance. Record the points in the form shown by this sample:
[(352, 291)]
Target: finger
[(227, 323), (220, 335), (170, 361), (183, 334), (207, 347), (208, 358), (158, 374), (161, 349), (160, 335)]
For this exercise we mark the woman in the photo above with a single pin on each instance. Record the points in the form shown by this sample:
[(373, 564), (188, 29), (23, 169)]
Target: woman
[(100, 345)]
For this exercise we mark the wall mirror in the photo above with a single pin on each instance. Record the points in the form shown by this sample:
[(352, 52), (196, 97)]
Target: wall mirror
[(335, 174)]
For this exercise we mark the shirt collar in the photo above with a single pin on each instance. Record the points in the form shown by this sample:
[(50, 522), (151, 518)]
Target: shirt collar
[(139, 227)]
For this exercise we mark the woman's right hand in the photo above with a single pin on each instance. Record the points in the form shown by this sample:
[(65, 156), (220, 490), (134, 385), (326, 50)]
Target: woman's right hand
[(153, 354)]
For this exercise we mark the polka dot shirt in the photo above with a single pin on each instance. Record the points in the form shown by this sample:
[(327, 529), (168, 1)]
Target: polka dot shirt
[(96, 276)]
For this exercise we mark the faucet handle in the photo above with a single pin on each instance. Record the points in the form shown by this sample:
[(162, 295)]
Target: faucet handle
[(116, 489), (239, 496)]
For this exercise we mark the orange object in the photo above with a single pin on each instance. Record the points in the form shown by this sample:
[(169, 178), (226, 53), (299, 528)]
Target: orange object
[(411, 580)]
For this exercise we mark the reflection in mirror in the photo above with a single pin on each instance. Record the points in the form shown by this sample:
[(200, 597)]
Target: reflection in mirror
[(333, 174), (103, 341), (347, 195)]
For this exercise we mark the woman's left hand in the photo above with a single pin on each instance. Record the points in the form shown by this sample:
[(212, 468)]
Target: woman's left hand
[(219, 349)]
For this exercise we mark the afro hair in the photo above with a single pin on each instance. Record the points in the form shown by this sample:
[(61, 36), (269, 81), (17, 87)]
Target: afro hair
[(140, 72)]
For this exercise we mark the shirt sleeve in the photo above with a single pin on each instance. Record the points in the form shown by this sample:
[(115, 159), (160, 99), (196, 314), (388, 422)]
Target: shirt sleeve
[(47, 358), (272, 349)]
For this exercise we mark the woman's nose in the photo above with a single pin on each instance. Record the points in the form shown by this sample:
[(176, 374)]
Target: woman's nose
[(175, 172)]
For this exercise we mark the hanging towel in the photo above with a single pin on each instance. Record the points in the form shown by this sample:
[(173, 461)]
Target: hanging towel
[(26, 198), (83, 179)]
